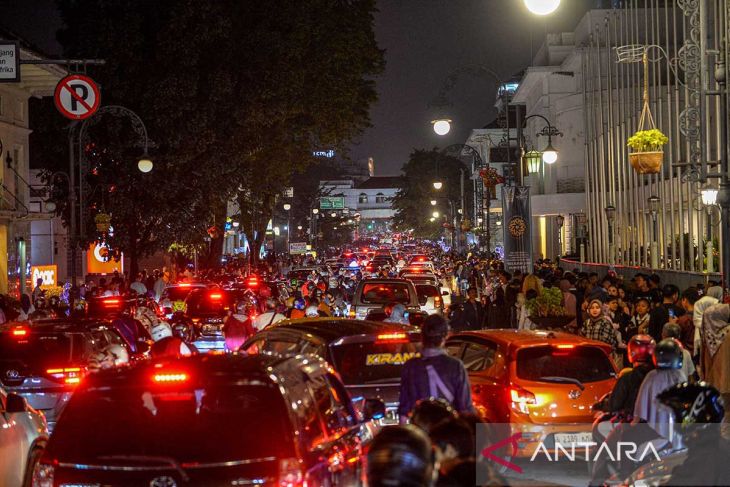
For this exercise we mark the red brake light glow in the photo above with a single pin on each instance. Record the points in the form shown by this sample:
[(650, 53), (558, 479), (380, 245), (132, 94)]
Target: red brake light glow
[(111, 301), (20, 331), (392, 338), (216, 296), (70, 375), (170, 377), (184, 284), (565, 346)]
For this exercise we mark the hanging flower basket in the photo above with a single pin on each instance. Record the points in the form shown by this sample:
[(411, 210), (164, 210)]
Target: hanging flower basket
[(646, 144), (465, 225), (103, 222), (446, 225), (491, 177)]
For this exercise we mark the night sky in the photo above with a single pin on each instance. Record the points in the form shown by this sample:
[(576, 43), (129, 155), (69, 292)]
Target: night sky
[(425, 40)]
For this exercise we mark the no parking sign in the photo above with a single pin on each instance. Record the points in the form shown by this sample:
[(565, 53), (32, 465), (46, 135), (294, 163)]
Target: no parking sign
[(77, 97)]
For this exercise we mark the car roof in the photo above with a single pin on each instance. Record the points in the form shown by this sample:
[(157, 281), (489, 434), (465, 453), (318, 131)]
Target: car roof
[(516, 339), (75, 325), (331, 329), (260, 367)]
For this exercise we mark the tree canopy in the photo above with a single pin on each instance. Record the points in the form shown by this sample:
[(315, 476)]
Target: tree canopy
[(235, 96)]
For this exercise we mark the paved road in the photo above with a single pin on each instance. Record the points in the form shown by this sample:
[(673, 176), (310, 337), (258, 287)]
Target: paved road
[(551, 473)]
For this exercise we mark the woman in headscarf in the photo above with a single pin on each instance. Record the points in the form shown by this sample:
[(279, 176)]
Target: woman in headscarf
[(715, 353), (597, 326), (398, 315)]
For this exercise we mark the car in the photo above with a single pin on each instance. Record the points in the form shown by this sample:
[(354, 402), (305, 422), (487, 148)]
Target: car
[(376, 293), (225, 419), (207, 309), (23, 436), (421, 278), (542, 381), (429, 298), (180, 291), (368, 355), (45, 362)]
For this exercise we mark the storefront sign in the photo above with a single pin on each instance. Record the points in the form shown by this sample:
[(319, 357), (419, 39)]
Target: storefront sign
[(48, 273), (100, 261)]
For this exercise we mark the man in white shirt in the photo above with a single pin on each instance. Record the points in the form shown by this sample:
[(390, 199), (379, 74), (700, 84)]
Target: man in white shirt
[(269, 317), (138, 286)]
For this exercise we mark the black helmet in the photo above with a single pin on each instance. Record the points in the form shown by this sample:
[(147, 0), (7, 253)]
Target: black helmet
[(693, 403), (668, 354), (400, 455), (427, 413)]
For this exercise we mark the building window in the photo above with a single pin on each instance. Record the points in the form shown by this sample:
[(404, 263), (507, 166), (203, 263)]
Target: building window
[(380, 198), (363, 198)]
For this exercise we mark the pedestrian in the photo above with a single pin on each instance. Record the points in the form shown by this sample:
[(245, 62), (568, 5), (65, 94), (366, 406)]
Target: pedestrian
[(673, 331), (597, 326), (38, 291), (474, 311), (26, 308), (666, 311), (640, 321), (434, 374), (715, 354), (696, 306), (138, 285)]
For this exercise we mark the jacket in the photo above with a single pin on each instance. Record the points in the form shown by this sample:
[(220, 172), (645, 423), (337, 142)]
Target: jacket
[(623, 396), (434, 374), (647, 406)]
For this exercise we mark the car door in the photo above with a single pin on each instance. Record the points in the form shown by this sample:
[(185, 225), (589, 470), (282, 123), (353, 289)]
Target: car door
[(12, 447), (486, 364), (342, 451)]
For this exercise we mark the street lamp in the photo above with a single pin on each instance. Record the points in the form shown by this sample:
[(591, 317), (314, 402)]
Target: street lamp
[(441, 126), (432, 219), (315, 211), (433, 202), (550, 154), (287, 207), (542, 7), (560, 220), (436, 214), (610, 216), (145, 164), (709, 195), (654, 203), (438, 185), (333, 214), (533, 159)]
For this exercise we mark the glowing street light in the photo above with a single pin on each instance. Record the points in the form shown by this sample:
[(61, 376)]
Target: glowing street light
[(287, 207), (441, 126), (549, 155), (709, 195), (542, 7), (438, 184), (433, 202), (145, 164), (432, 219), (315, 211), (436, 214)]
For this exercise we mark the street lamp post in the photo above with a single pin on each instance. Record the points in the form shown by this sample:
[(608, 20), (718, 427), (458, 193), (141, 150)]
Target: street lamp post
[(610, 216), (654, 202), (580, 219), (287, 207), (709, 199), (560, 220)]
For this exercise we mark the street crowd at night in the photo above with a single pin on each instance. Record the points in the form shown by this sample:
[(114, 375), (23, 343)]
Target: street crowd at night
[(378, 243)]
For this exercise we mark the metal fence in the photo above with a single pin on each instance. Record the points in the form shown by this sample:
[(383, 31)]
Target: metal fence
[(681, 279)]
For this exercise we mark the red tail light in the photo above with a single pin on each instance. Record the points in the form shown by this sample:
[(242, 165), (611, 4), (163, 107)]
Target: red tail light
[(521, 398), (170, 377), (70, 375), (109, 302), (184, 284), (290, 473), (216, 296), (392, 338), (20, 332)]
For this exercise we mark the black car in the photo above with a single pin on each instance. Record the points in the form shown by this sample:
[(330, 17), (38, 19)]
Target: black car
[(207, 309), (368, 355), (208, 420), (45, 362)]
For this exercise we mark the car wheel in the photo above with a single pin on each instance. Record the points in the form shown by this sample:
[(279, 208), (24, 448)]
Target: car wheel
[(33, 458)]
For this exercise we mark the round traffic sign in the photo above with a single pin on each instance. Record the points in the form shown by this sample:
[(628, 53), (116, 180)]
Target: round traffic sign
[(77, 97)]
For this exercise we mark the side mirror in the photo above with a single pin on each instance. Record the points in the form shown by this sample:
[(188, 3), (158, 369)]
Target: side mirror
[(15, 404), (373, 409)]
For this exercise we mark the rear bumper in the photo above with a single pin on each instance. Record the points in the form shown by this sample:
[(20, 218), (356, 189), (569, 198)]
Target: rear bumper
[(542, 438)]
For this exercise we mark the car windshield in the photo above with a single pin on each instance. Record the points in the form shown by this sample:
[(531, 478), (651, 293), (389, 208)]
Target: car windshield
[(383, 293), (583, 363), (205, 302), (201, 423), (372, 362), (39, 350)]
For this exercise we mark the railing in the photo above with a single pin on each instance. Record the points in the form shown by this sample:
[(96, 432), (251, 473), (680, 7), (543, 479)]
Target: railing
[(681, 279)]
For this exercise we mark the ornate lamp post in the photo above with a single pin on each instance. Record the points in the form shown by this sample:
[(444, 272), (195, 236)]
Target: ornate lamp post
[(611, 216), (654, 203), (560, 221)]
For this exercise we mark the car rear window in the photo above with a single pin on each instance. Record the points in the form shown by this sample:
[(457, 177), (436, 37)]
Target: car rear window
[(177, 293), (424, 292), (208, 302), (383, 293), (374, 362), (40, 350), (197, 423), (584, 363)]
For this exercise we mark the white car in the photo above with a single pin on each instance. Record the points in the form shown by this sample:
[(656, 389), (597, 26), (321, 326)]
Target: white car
[(23, 435)]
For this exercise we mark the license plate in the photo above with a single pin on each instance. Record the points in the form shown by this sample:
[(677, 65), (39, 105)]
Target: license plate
[(568, 439)]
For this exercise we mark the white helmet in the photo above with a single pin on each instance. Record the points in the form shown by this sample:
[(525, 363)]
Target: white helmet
[(311, 312), (120, 354), (161, 330)]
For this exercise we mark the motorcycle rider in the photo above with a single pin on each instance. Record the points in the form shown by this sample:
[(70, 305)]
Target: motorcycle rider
[(237, 327), (698, 408), (268, 317), (622, 399), (167, 345), (298, 309)]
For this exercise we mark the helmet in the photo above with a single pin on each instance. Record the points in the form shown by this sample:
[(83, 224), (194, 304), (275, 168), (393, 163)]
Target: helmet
[(183, 331), (668, 354), (161, 330), (311, 312), (640, 349), (400, 455), (693, 403), (119, 354), (427, 413), (299, 303)]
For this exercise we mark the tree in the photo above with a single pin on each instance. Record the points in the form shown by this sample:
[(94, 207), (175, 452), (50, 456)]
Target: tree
[(236, 96), (412, 202)]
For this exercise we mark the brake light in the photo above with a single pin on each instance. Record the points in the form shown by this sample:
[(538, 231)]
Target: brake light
[(184, 284), (421, 259), (43, 474), (111, 301), (216, 296), (437, 300), (69, 375), (290, 473), (392, 338), (565, 346), (20, 331), (521, 398), (166, 378)]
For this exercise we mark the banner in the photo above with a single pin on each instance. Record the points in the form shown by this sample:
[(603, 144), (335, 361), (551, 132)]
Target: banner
[(517, 228), (99, 261), (298, 248), (48, 273)]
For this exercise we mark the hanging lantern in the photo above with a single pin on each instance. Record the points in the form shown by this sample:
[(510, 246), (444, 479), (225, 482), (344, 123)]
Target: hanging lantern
[(533, 159), (103, 222)]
